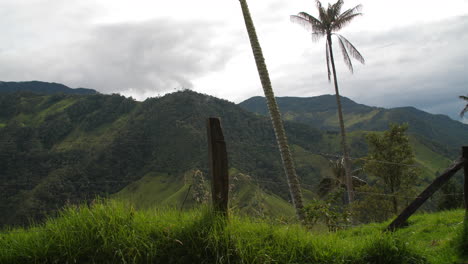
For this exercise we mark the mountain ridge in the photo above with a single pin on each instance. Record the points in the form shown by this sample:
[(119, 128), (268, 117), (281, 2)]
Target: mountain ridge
[(42, 88), (321, 112), (56, 148)]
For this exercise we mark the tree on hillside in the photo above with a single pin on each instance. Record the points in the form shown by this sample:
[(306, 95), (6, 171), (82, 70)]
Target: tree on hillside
[(462, 113), (330, 21), (293, 181), (391, 160)]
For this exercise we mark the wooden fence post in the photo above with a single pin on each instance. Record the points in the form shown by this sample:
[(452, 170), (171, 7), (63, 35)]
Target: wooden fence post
[(218, 164), (428, 192), (465, 168)]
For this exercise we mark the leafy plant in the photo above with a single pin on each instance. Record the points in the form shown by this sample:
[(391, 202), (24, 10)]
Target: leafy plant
[(391, 159), (327, 211)]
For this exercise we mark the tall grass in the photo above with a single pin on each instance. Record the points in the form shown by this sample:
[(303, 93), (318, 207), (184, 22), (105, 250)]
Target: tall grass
[(111, 232)]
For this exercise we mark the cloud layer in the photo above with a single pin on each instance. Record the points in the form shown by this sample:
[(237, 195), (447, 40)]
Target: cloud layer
[(155, 46), (140, 59), (419, 65)]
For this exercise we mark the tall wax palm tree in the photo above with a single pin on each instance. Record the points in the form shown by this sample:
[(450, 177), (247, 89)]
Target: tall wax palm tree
[(330, 21), (293, 182), (462, 113)]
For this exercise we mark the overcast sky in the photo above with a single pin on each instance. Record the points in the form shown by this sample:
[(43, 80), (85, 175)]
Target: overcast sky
[(415, 51)]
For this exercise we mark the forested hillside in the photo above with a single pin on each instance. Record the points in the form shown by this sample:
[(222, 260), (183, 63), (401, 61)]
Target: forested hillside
[(439, 132), (57, 149), (68, 148)]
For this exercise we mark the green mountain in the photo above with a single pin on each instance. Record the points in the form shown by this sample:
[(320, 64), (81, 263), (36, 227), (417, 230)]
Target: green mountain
[(64, 148), (438, 132), (67, 148), (41, 88)]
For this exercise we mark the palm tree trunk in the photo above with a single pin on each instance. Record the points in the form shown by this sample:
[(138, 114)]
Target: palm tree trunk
[(344, 145), (293, 181)]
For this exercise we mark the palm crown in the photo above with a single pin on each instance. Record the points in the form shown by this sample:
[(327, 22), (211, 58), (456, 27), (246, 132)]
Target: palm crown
[(329, 22)]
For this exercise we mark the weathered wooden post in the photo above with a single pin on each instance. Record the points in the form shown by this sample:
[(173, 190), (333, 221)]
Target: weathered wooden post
[(428, 192), (218, 164)]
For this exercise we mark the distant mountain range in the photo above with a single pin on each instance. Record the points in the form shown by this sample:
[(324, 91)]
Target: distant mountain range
[(321, 112), (59, 148), (41, 88)]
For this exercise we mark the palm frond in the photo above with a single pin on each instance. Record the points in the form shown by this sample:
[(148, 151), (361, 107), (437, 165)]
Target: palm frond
[(310, 18), (301, 21), (316, 36), (462, 113), (341, 22), (336, 8), (352, 11), (322, 13), (346, 58), (308, 22), (351, 49), (328, 59)]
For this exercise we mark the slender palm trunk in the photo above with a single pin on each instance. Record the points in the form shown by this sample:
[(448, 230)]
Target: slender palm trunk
[(293, 181), (344, 145)]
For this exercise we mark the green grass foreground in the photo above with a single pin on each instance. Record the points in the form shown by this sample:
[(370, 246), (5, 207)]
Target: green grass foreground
[(111, 232)]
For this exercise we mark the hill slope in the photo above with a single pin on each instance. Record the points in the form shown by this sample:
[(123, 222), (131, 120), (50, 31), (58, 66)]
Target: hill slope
[(64, 148), (59, 148), (438, 132)]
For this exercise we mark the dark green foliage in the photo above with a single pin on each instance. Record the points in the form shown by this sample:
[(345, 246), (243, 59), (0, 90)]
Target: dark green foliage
[(59, 148), (54, 128), (37, 178), (392, 161), (371, 205), (462, 239), (450, 195), (329, 211)]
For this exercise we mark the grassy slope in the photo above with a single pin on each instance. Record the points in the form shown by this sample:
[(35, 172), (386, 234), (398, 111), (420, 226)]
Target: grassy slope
[(160, 190), (151, 190), (114, 233), (432, 162)]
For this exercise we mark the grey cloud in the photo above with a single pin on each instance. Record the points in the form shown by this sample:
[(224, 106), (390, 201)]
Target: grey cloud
[(420, 65), (141, 59)]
